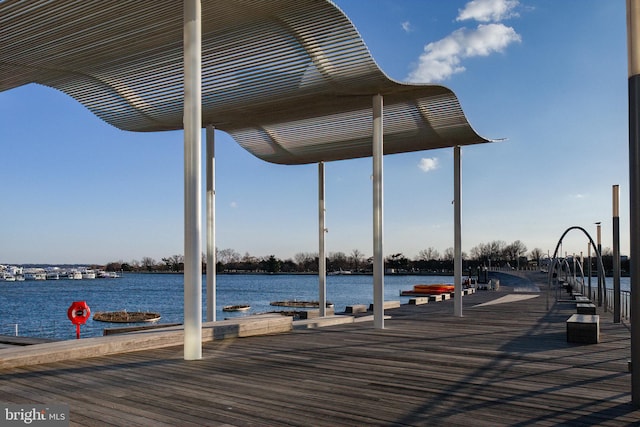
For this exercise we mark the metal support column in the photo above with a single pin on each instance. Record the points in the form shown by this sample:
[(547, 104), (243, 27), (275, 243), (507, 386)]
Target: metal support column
[(378, 254), (600, 272), (192, 121), (457, 240), (322, 258), (582, 270), (616, 254), (211, 224), (633, 47), (589, 272)]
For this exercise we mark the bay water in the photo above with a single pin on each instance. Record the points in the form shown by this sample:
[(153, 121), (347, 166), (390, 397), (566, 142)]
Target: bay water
[(39, 308)]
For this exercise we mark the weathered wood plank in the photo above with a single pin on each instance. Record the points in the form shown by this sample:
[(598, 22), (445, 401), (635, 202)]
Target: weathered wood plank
[(387, 305), (504, 364), (140, 340)]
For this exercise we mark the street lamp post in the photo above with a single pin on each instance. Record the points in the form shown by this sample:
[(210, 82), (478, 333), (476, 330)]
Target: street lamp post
[(589, 272), (616, 254), (599, 255), (582, 268)]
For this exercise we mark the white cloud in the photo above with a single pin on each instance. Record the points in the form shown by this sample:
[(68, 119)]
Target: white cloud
[(233, 205), (406, 26), (488, 10), (429, 163), (442, 59)]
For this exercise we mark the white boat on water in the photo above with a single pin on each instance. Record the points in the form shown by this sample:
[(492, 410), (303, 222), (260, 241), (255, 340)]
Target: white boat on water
[(107, 274), (6, 277), (74, 275), (340, 272), (88, 274), (52, 276), (241, 307), (35, 274)]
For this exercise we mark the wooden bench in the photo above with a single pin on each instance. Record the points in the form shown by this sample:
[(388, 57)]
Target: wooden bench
[(583, 329), (126, 329), (582, 299), (312, 314), (353, 309), (387, 305), (319, 322), (585, 308), (418, 300)]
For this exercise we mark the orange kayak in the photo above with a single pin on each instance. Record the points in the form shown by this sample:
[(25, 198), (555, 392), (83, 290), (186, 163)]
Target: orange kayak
[(439, 288)]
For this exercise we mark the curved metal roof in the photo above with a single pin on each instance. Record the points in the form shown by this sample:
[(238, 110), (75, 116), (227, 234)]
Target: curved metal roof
[(290, 80)]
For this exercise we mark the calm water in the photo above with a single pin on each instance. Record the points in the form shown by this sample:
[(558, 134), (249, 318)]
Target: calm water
[(40, 307)]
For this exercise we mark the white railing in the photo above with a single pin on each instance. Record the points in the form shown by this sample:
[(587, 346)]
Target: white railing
[(9, 329), (41, 329)]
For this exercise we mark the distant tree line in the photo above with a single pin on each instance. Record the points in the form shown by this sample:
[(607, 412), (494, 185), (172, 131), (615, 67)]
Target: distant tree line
[(493, 254)]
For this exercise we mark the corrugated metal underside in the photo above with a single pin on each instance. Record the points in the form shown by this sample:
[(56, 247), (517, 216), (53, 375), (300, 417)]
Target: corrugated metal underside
[(290, 80)]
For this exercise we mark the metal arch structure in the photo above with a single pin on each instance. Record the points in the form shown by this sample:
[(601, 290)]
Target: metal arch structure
[(579, 265), (555, 254), (290, 80), (559, 265), (564, 267)]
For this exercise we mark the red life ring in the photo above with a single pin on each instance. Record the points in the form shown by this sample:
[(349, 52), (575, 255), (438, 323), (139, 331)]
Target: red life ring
[(78, 312)]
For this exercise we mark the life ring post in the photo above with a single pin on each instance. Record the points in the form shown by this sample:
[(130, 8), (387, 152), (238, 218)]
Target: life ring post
[(78, 312)]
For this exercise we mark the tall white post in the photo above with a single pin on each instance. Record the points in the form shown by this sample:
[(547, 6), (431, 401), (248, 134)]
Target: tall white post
[(457, 234), (378, 254), (192, 122), (322, 258), (211, 224)]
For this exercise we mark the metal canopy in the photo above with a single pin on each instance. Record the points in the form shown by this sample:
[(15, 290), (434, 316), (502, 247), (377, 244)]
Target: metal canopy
[(290, 80)]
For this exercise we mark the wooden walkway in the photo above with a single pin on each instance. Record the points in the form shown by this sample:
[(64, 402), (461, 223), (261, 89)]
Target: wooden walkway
[(500, 365)]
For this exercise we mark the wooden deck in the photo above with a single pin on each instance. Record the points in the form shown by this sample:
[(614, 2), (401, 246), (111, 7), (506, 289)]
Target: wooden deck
[(501, 364)]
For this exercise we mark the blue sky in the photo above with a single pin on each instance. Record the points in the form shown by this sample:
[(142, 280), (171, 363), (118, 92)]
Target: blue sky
[(549, 76)]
